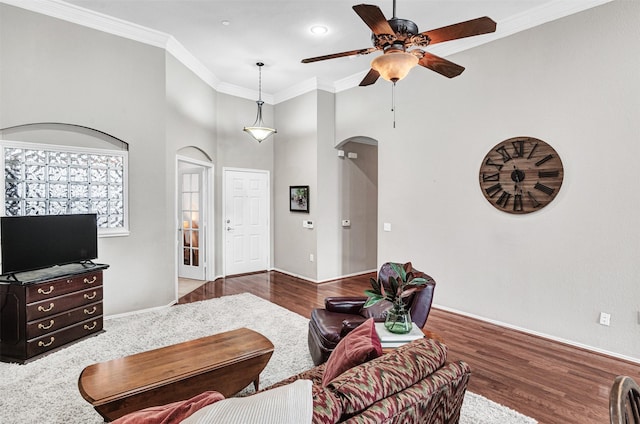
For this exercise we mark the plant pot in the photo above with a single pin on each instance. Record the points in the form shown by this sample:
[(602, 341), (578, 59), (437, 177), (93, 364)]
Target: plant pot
[(398, 322)]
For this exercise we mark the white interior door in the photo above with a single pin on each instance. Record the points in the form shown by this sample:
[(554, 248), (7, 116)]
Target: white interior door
[(191, 211), (246, 221)]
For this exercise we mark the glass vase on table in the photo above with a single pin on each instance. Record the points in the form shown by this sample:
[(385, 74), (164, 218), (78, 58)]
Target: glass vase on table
[(398, 320)]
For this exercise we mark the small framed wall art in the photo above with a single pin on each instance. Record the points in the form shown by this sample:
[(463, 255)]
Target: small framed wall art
[(299, 198)]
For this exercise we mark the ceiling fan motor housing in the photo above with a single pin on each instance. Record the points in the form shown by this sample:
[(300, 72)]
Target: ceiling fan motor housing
[(406, 35)]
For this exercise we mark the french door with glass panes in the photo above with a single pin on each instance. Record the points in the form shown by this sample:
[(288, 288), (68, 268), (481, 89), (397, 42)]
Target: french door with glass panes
[(192, 240)]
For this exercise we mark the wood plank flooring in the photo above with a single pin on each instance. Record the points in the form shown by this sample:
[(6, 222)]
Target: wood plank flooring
[(549, 381)]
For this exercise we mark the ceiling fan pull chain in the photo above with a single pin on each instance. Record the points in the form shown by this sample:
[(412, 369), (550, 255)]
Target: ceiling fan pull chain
[(393, 103)]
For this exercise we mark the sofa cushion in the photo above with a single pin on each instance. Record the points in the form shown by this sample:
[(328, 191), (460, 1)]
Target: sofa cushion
[(435, 399), (290, 404), (171, 413), (363, 385), (326, 408), (360, 345)]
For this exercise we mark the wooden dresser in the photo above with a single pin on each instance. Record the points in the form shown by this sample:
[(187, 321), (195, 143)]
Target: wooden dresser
[(48, 309)]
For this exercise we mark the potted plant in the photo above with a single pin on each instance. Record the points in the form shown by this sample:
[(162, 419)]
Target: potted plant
[(398, 318)]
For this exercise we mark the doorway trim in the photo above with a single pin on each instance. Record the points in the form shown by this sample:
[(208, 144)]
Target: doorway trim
[(209, 217), (224, 205)]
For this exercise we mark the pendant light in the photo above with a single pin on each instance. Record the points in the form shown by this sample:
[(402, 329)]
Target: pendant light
[(258, 130)]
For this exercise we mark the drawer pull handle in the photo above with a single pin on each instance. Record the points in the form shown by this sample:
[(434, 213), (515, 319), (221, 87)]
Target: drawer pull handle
[(90, 312), (86, 327), (93, 280), (43, 344), (43, 291), (46, 327), (44, 309), (90, 296)]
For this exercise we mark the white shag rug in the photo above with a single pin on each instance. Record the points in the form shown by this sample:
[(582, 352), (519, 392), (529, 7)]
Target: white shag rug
[(46, 390)]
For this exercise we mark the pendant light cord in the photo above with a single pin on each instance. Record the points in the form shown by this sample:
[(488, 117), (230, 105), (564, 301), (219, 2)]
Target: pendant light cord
[(260, 65)]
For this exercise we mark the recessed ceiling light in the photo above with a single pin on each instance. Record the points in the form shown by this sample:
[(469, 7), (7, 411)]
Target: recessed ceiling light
[(225, 22), (319, 29)]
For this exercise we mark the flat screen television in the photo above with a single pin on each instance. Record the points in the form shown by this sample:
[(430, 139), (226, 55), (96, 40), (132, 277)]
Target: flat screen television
[(41, 241)]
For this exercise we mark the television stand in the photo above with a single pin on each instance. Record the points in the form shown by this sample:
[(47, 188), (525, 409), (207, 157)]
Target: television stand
[(47, 309)]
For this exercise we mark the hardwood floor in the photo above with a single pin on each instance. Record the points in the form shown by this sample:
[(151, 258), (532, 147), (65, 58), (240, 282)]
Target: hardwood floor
[(549, 381)]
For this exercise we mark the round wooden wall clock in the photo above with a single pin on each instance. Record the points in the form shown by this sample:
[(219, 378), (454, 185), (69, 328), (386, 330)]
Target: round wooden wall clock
[(521, 175)]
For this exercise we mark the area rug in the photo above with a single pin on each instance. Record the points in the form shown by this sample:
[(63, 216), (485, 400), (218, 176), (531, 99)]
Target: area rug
[(46, 390)]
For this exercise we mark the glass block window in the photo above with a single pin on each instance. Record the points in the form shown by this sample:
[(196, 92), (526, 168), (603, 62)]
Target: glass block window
[(54, 180)]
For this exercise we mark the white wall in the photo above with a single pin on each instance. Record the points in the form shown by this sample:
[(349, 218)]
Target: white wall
[(237, 149), (306, 155), (573, 83), (358, 179), (329, 188), (53, 71), (296, 164)]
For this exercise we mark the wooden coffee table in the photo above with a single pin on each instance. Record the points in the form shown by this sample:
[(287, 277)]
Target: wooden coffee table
[(225, 362)]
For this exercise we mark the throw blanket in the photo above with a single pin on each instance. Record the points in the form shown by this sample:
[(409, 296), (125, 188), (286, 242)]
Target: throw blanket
[(290, 404)]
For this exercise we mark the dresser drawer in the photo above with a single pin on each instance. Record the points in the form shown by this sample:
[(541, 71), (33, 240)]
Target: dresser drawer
[(56, 322), (60, 304), (55, 288), (61, 337)]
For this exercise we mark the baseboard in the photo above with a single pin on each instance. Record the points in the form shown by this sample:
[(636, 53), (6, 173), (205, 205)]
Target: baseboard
[(140, 311), (328, 280), (539, 334)]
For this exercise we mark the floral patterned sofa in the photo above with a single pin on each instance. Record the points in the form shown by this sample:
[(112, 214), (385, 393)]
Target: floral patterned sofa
[(412, 384)]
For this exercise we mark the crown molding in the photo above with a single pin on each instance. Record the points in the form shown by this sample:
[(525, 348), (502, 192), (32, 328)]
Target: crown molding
[(312, 84), (540, 15), (59, 9), (95, 20), (185, 57)]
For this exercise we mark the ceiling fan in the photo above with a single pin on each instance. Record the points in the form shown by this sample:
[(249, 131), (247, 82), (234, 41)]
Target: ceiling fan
[(396, 36)]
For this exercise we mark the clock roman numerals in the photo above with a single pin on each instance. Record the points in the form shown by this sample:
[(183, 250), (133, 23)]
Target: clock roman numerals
[(493, 190), (490, 162), (544, 159), (548, 174), (517, 203), (503, 200), (533, 149), (518, 148), (491, 177), (543, 188), (533, 199), (506, 157)]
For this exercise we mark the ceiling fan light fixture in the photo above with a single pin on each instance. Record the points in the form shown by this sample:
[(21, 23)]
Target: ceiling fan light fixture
[(258, 130), (395, 65)]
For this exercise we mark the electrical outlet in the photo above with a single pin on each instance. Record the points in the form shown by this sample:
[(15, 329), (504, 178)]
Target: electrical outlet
[(311, 257), (605, 318)]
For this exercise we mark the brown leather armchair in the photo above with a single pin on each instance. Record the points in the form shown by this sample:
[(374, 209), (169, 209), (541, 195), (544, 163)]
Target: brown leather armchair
[(342, 314)]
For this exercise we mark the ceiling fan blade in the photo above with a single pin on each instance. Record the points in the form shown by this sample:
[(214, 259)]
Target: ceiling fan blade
[(343, 54), (440, 65), (374, 18), (370, 78), (470, 28)]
